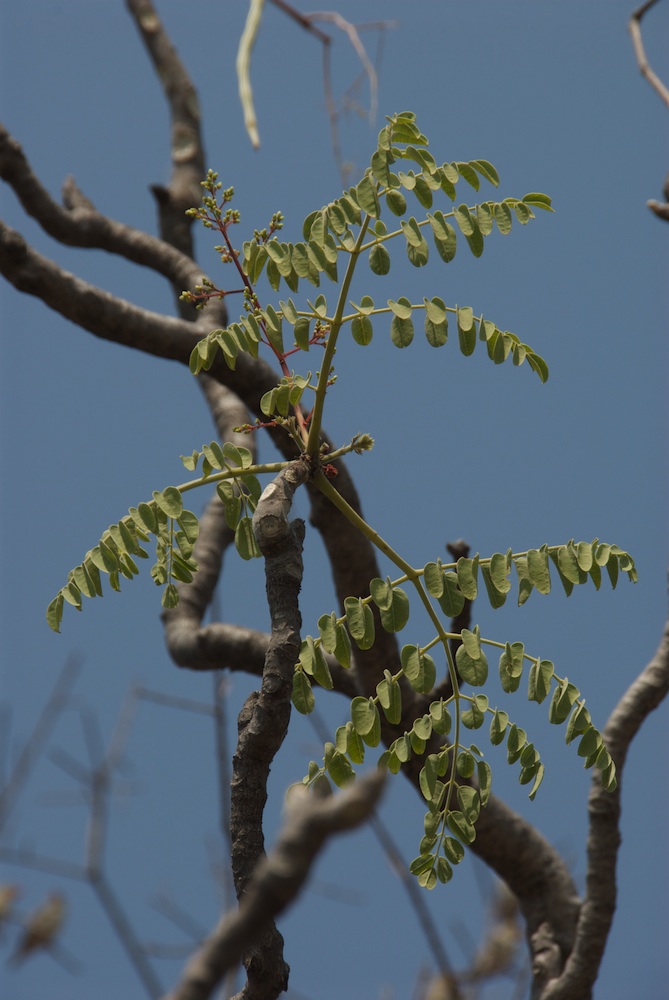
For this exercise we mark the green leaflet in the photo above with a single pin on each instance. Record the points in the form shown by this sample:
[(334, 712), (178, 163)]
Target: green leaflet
[(379, 259)]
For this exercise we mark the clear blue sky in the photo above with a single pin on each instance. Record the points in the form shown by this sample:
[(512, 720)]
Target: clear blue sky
[(550, 93)]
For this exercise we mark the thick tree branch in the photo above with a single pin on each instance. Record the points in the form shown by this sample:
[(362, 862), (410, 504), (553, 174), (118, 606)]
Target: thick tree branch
[(596, 915), (187, 151), (263, 721), (278, 879), (79, 223), (105, 315), (186, 140)]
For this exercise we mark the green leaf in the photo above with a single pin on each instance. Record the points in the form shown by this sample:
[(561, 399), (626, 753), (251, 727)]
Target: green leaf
[(314, 662), (416, 245), (579, 721), (469, 802), (363, 715), (500, 567), (245, 540), (538, 566), (381, 592), (366, 305), (355, 747), (525, 585), (169, 501), (471, 642), (465, 764), (461, 827), (436, 333), (466, 330), (401, 331), (396, 616), (498, 726), (340, 770), (327, 629), (568, 564), (302, 696), (396, 202), (475, 242), (441, 719), (590, 743), (472, 671), (419, 668), (402, 308), (433, 575), (422, 727), (452, 600), (367, 197), (361, 330), (465, 170), (503, 218), (444, 235), (145, 516), (302, 332), (538, 200), (484, 218), (54, 612), (511, 666), (564, 696), (342, 650), (474, 717), (515, 742), (496, 597), (538, 365), (422, 192), (170, 597), (486, 170), (379, 259), (539, 681), (467, 570), (390, 698), (464, 220), (360, 621)]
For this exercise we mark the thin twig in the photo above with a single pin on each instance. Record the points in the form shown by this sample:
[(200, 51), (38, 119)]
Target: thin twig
[(40, 734), (639, 51)]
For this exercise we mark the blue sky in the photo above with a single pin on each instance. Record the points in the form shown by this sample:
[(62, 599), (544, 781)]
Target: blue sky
[(550, 93)]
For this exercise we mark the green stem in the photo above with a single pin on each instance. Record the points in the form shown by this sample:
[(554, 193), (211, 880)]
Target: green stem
[(313, 441), (326, 487), (217, 477)]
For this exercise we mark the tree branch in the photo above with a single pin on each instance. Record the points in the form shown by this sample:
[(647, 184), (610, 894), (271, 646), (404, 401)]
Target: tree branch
[(278, 879), (596, 915), (640, 53), (263, 721), (187, 151), (661, 209), (79, 223)]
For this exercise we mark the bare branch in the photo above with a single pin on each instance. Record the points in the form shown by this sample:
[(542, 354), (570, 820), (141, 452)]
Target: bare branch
[(661, 209), (307, 21), (279, 878), (596, 915), (80, 224), (263, 721), (187, 152), (40, 734), (640, 53), (105, 315)]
